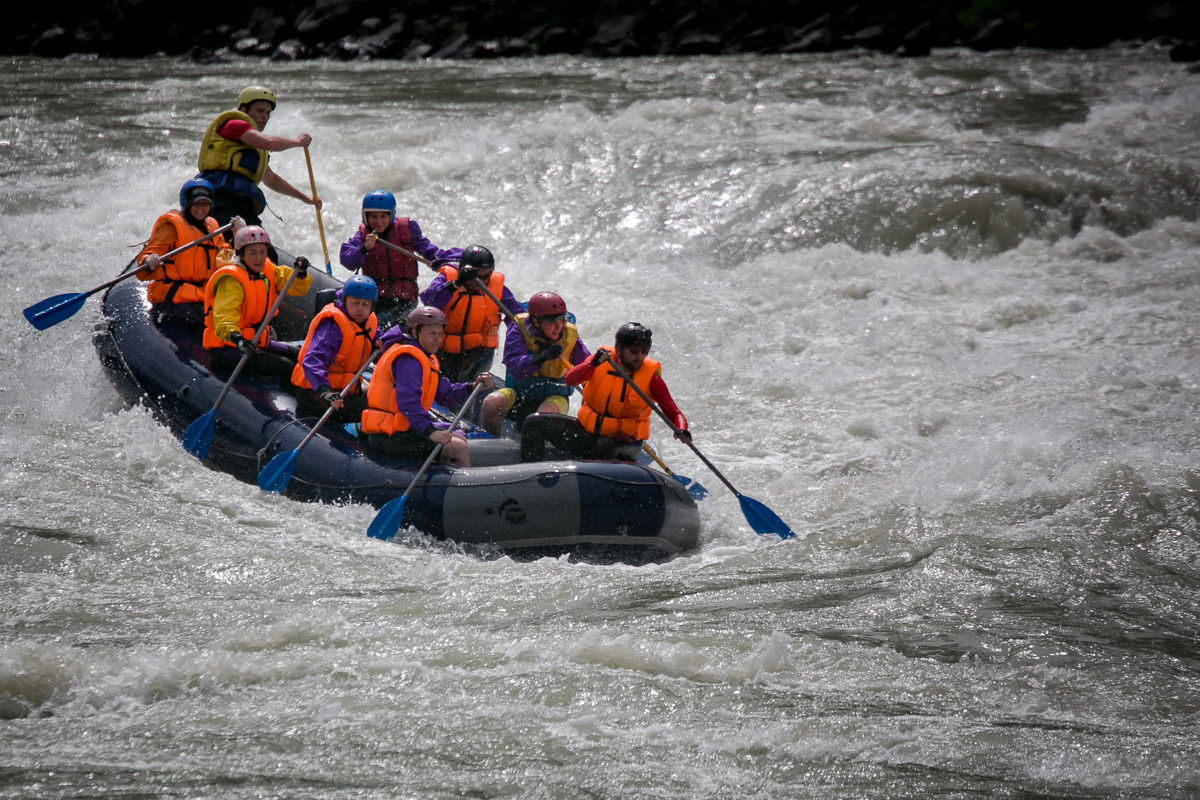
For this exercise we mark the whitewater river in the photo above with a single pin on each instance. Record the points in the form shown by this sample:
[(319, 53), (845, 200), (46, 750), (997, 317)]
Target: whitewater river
[(940, 315)]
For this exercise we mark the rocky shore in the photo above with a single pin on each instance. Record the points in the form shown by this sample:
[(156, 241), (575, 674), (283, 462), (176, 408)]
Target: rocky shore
[(360, 29)]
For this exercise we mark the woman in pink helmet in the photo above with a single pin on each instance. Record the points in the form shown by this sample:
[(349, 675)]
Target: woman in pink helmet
[(237, 298)]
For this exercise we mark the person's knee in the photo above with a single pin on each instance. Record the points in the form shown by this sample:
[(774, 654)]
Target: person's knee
[(554, 404), (494, 406), (457, 452)]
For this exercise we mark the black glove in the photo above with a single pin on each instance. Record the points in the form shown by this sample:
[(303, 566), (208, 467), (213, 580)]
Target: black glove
[(599, 357), (466, 275), (329, 395), (242, 343), (301, 264), (549, 354)]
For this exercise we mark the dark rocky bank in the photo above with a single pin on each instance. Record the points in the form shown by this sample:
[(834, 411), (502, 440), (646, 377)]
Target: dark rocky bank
[(361, 29)]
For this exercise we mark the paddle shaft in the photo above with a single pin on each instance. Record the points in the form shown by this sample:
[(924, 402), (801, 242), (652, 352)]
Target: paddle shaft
[(648, 401), (438, 447), (650, 452), (504, 311), (402, 251), (257, 335), (132, 270), (342, 394), (165, 256), (316, 203)]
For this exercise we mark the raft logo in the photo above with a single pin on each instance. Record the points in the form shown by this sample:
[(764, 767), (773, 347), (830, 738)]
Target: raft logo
[(509, 511)]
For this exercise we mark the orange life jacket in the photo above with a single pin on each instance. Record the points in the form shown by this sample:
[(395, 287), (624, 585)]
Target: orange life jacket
[(357, 344), (394, 273), (611, 408), (382, 414), (472, 320), (260, 294), (181, 278)]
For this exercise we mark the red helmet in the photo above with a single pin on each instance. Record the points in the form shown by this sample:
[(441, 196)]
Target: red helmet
[(546, 304)]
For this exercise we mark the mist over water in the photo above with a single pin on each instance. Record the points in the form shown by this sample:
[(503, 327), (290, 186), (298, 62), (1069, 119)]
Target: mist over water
[(938, 314)]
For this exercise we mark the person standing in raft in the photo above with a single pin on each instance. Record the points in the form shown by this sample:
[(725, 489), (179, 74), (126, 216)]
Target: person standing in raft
[(237, 298), (472, 319), (234, 153), (394, 272), (403, 389), (613, 420), (539, 348), (176, 289), (341, 337)]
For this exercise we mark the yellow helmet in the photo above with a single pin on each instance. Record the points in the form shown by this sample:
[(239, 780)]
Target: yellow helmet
[(251, 93)]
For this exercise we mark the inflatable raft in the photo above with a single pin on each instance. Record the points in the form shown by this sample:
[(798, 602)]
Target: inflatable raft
[(599, 511)]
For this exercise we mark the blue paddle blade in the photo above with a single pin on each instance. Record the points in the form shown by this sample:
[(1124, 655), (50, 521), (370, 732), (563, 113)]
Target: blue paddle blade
[(389, 519), (198, 436), (697, 491), (763, 519), (278, 471), (54, 310)]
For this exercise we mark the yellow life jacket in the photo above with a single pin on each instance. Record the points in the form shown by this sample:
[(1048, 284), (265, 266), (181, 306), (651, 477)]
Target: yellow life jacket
[(260, 294), (357, 344), (472, 320), (556, 367), (611, 408), (219, 153), (382, 415), (181, 278)]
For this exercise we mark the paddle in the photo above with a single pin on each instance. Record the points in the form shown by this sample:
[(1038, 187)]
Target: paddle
[(761, 518), (404, 252), (54, 310), (387, 522), (316, 202), (198, 436), (488, 292), (275, 475), (693, 487)]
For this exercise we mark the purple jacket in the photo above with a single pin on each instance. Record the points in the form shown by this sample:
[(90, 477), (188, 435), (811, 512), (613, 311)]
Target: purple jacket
[(352, 254), (406, 371), (440, 291), (519, 360), (326, 341)]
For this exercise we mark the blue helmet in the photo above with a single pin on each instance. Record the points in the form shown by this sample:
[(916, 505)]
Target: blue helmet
[(360, 286), (195, 189), (379, 200)]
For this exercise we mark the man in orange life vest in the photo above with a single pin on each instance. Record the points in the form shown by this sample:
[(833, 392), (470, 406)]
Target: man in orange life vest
[(472, 319), (340, 339), (394, 272), (403, 389), (237, 298), (234, 153), (613, 420), (177, 286)]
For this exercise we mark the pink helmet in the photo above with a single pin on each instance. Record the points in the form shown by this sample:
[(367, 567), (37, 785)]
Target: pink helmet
[(424, 315), (546, 304), (250, 234)]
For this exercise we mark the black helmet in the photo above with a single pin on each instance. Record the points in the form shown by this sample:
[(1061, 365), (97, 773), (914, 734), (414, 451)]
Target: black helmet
[(633, 333), (477, 257)]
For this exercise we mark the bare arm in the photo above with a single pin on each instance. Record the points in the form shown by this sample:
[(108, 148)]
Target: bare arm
[(273, 180), (273, 144)]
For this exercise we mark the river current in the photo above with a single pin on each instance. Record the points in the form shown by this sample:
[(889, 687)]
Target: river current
[(939, 314)]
